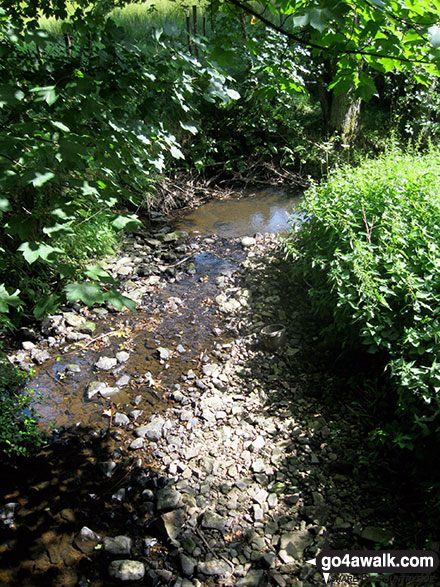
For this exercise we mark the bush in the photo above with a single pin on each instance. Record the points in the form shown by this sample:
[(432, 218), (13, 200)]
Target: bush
[(19, 433), (370, 251)]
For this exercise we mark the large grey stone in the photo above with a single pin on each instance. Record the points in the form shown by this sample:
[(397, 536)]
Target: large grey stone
[(39, 355), (120, 419), (293, 545), (214, 567), (188, 564), (117, 545), (106, 363), (172, 524), (127, 570), (248, 241), (8, 511), (153, 430), (168, 499), (252, 579), (213, 520), (377, 535)]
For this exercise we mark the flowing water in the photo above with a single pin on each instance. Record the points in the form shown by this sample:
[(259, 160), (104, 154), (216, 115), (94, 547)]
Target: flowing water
[(160, 323)]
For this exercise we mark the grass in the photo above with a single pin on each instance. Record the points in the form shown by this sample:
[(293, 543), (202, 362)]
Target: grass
[(138, 17)]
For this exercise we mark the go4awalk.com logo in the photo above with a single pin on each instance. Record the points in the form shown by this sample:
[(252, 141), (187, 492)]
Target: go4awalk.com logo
[(375, 561)]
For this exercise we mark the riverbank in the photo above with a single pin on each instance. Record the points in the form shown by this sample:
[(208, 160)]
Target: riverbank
[(220, 463)]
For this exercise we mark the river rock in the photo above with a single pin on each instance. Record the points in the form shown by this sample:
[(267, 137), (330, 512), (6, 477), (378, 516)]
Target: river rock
[(39, 355), (127, 570), (168, 498), (164, 354), (214, 567), (8, 511), (153, 430), (107, 467), (28, 345), (120, 419), (212, 520), (106, 363), (188, 564), (248, 241), (87, 327), (252, 579), (86, 540), (122, 356), (171, 525), (137, 443), (72, 368), (117, 545), (377, 535), (293, 544), (123, 380), (173, 237), (73, 320), (51, 324)]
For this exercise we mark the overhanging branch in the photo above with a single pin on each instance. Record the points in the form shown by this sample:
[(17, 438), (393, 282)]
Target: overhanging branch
[(311, 45)]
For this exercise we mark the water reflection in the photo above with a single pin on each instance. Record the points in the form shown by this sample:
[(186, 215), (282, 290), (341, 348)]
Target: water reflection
[(262, 212)]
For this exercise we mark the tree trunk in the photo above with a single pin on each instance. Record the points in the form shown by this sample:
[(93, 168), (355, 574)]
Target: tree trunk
[(344, 116)]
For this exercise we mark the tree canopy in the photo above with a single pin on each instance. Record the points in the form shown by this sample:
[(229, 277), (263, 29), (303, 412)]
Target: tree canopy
[(361, 36)]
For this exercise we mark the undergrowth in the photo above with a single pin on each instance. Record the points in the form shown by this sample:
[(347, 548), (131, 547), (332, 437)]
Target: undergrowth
[(369, 251)]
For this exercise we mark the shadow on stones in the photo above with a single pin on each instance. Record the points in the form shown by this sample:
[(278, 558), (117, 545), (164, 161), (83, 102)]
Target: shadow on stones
[(333, 482), (66, 487)]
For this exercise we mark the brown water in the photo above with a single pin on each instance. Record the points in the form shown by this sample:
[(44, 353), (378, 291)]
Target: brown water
[(263, 212), (64, 402)]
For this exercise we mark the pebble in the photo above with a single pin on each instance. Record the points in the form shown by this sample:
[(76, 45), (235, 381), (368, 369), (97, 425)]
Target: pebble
[(214, 567), (120, 419), (168, 499), (127, 570), (106, 363), (152, 431), (117, 545)]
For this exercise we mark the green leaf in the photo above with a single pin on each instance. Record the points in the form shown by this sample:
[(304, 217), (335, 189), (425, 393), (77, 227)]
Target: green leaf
[(60, 125), (46, 305), (59, 228), (97, 273), (39, 179), (33, 251), (87, 292), (233, 94), (7, 299), (10, 96), (5, 206), (45, 94), (119, 301), (189, 127), (66, 270), (176, 152), (126, 221)]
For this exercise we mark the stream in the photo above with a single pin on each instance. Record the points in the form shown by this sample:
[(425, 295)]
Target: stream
[(185, 452), (177, 313)]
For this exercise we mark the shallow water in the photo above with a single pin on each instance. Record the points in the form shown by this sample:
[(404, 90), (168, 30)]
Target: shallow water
[(263, 212), (64, 402)]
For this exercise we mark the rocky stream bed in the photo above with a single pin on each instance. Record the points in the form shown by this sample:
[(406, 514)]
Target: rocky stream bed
[(200, 458)]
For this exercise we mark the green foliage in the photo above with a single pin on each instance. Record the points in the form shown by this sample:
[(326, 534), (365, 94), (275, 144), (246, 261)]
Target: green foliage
[(86, 129), (19, 434), (359, 37), (369, 250)]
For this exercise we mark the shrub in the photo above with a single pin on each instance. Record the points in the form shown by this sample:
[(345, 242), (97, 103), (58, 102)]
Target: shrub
[(19, 433), (370, 251)]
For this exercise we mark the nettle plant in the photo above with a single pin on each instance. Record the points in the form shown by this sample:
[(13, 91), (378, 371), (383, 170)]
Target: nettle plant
[(88, 123), (369, 250)]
